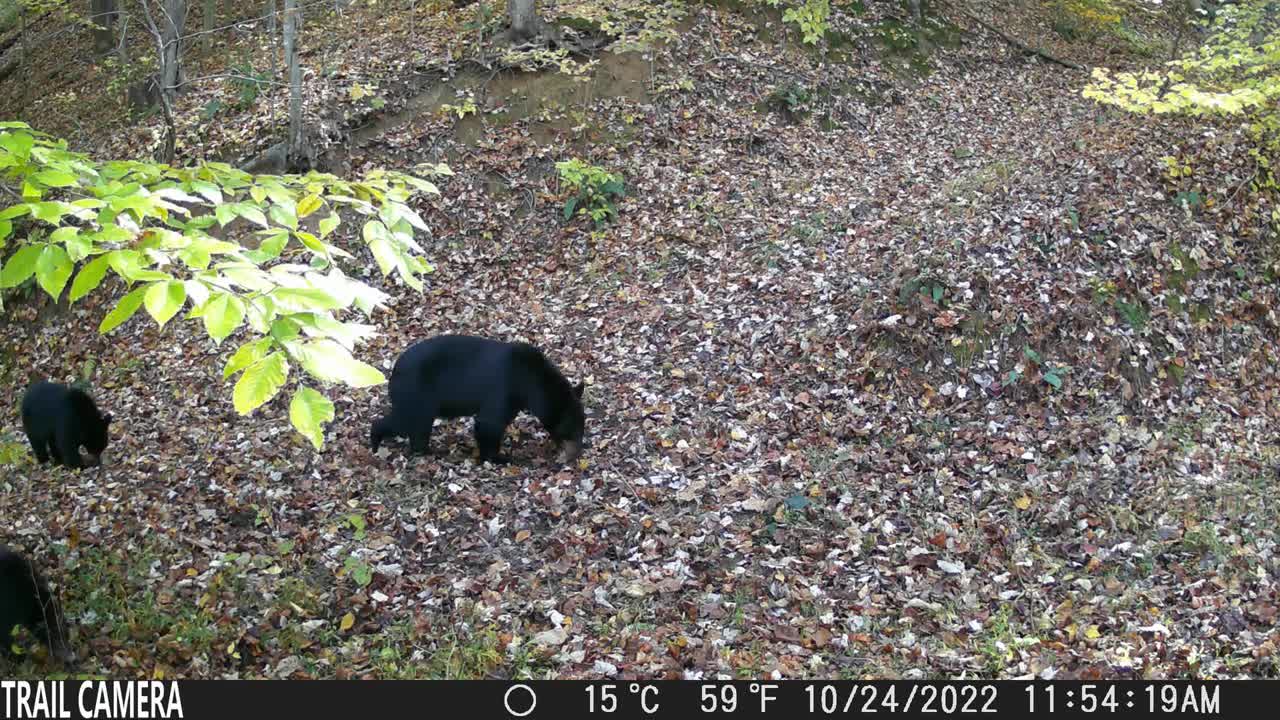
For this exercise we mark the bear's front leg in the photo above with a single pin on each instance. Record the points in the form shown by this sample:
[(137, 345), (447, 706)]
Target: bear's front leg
[(43, 449), (420, 438), (489, 441), (68, 449)]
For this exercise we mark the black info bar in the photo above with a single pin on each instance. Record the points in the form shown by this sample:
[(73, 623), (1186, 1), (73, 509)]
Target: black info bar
[(562, 699)]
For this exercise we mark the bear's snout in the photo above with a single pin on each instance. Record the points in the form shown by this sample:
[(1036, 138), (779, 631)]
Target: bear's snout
[(570, 452)]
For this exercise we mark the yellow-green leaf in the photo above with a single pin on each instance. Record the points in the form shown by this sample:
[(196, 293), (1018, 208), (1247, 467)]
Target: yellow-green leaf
[(248, 354), (89, 277), (124, 310), (164, 299), (329, 224), (222, 315), (309, 411), (330, 361), (309, 204), (20, 266), (260, 382), (53, 269), (55, 178)]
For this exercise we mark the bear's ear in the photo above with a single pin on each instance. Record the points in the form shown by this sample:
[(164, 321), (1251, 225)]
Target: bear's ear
[(577, 390), (106, 419)]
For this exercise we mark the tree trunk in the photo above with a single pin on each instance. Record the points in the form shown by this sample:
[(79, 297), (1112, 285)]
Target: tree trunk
[(210, 15), (22, 64), (175, 18), (167, 51), (122, 54), (525, 23), (273, 27), (916, 10), (103, 15), (292, 26)]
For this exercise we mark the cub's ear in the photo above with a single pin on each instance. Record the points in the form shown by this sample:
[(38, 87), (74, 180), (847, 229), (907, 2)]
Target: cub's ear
[(106, 419), (577, 390)]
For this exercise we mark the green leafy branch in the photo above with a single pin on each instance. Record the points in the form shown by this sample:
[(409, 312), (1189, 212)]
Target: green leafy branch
[(153, 226)]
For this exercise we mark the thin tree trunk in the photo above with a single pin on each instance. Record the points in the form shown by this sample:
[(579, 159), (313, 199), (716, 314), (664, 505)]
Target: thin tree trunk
[(292, 27), (170, 43), (166, 91), (122, 55), (273, 27), (103, 14), (525, 22), (210, 15), (22, 61)]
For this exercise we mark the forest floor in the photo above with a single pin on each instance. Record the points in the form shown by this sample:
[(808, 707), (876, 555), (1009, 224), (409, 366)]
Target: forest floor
[(936, 380)]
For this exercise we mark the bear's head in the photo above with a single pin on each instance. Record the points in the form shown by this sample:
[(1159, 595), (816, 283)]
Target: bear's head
[(570, 427), (94, 439)]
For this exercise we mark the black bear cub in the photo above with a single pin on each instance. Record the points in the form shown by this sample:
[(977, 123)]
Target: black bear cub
[(59, 420), (25, 600), (453, 376)]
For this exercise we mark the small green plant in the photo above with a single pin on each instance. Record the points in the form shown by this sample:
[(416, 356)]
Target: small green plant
[(358, 524), (594, 190), (790, 97), (675, 86), (1189, 200), (927, 286), (360, 92), (358, 570), (1203, 540), (997, 639), (485, 16), (248, 83), (811, 17), (463, 109), (120, 76), (211, 109), (1086, 20), (1051, 375), (12, 451), (1133, 313), (10, 11)]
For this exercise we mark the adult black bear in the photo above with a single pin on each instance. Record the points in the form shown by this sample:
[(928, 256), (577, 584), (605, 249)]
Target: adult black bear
[(59, 420), (25, 600), (458, 376)]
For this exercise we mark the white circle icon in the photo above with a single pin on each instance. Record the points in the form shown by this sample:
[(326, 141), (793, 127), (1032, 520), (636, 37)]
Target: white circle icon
[(533, 700)]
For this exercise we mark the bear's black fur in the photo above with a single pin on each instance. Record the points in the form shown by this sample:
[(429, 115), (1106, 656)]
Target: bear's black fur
[(452, 376), (25, 600), (59, 420)]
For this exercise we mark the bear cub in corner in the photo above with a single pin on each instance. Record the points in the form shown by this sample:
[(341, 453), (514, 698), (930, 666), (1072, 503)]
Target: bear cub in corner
[(25, 600), (453, 376), (59, 420)]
